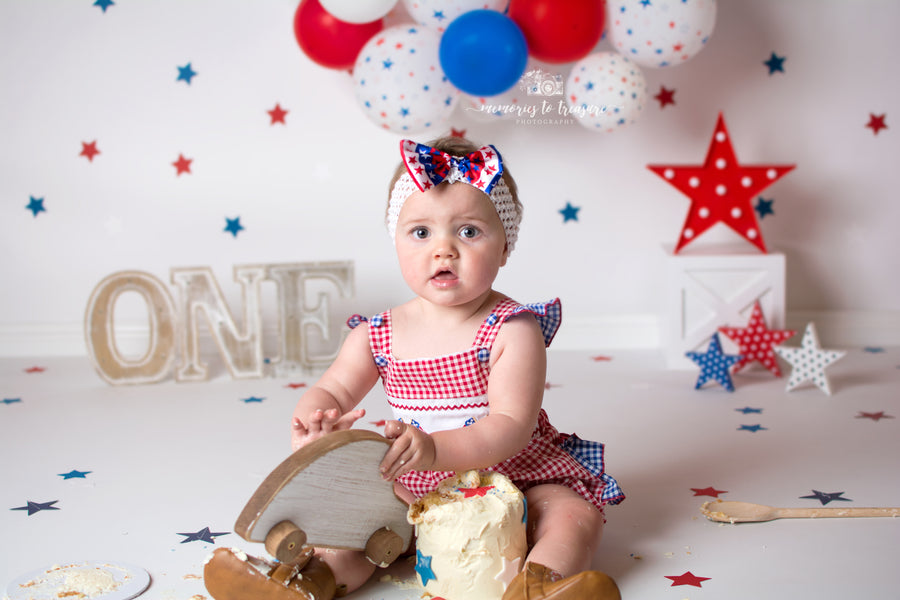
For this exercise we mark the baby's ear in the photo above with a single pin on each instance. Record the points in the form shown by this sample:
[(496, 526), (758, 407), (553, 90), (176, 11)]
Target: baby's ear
[(505, 255)]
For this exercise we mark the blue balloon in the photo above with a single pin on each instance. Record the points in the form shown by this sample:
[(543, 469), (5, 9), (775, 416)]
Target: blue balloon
[(483, 53)]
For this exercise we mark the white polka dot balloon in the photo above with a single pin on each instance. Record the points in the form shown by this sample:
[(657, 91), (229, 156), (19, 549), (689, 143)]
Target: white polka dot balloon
[(399, 83), (440, 13), (660, 33), (606, 92)]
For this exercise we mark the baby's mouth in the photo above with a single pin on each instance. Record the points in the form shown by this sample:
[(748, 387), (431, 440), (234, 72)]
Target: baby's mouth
[(444, 275)]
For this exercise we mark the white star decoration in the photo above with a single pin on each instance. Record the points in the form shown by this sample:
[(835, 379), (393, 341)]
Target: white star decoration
[(809, 361), (509, 570)]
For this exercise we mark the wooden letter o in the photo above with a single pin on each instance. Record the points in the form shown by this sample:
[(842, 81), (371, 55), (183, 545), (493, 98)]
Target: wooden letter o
[(99, 328)]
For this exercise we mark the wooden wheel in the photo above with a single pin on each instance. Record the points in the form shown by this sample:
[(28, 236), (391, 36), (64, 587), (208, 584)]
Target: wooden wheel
[(285, 542), (383, 547)]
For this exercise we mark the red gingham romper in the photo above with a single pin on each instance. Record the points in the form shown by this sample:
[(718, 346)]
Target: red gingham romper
[(447, 392)]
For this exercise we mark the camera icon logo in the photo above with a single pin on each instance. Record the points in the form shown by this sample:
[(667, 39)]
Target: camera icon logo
[(539, 83)]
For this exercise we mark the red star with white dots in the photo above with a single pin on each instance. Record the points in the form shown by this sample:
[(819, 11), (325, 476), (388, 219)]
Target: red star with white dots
[(757, 340), (721, 190)]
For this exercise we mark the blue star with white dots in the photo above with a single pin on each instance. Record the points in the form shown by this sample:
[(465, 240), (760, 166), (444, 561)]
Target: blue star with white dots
[(714, 364), (570, 213), (233, 226), (36, 205), (763, 207), (423, 567), (186, 73), (775, 63), (104, 4)]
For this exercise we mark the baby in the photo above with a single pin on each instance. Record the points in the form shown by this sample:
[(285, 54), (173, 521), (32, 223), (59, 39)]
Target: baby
[(463, 367)]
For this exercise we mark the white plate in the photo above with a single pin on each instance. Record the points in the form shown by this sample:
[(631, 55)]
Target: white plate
[(44, 584)]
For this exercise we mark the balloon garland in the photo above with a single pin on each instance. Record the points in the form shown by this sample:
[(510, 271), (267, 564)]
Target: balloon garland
[(488, 55)]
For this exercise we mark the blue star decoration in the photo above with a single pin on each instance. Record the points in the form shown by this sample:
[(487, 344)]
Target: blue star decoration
[(251, 399), (570, 213), (763, 207), (747, 410), (233, 226), (73, 474), (775, 63), (714, 364), (36, 205), (11, 400), (825, 497), (104, 4), (752, 428), (204, 535), (34, 507), (423, 567), (186, 73)]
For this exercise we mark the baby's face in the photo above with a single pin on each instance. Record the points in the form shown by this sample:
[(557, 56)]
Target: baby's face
[(450, 244)]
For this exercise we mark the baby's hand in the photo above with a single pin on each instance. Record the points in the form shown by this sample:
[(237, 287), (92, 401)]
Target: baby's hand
[(411, 450), (321, 423)]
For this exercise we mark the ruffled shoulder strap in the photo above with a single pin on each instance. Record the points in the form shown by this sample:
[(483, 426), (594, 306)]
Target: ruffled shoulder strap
[(548, 315), (379, 331)]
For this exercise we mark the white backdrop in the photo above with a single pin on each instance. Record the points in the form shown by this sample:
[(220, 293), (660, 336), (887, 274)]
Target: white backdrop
[(314, 188)]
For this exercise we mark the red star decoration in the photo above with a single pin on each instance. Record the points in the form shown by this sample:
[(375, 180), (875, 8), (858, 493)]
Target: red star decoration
[(601, 358), (479, 491), (277, 114), (89, 150), (721, 190), (708, 491), (665, 96), (182, 165), (461, 133), (876, 123), (294, 386), (687, 578), (757, 340), (35, 370), (875, 416), (379, 423)]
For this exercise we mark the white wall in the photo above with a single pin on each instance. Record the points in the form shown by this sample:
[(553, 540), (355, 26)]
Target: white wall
[(314, 189)]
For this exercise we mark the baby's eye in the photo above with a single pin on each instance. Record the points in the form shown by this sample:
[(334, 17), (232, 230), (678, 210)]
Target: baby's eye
[(419, 233), (468, 232)]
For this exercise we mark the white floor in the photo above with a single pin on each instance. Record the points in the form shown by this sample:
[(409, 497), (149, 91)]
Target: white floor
[(164, 460)]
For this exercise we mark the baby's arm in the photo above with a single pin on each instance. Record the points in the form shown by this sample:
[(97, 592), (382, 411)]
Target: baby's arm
[(515, 393), (329, 404)]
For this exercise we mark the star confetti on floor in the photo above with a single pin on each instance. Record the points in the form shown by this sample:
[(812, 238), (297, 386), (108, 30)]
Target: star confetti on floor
[(752, 428), (104, 4), (809, 361), (826, 497), (708, 491), (35, 370), (277, 115), (295, 386), (747, 410), (182, 165), (233, 226), (251, 399), (756, 341), (714, 364), (186, 73), (721, 190), (36, 507), (875, 416), (11, 400), (570, 213), (89, 150), (75, 474), (687, 578), (35, 205), (665, 96), (204, 535), (775, 63), (876, 123)]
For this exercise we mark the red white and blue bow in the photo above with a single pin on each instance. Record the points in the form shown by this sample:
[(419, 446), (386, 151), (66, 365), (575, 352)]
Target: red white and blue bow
[(429, 166)]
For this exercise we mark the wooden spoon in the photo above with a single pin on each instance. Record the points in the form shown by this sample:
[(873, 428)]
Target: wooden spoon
[(746, 512)]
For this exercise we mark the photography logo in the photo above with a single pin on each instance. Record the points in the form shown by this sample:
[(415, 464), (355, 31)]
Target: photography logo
[(538, 83)]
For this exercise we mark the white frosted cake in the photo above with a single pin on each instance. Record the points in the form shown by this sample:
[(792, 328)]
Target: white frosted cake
[(470, 536)]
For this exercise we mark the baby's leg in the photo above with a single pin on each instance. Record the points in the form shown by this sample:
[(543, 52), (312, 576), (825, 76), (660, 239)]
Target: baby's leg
[(351, 568), (564, 528)]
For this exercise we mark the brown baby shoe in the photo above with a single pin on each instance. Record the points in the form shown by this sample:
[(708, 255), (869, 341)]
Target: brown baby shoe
[(535, 582), (232, 575)]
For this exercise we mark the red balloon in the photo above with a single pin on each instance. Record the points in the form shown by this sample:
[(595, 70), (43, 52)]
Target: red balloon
[(328, 41), (559, 31)]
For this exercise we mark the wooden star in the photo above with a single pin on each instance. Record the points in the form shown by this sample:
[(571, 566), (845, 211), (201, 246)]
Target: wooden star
[(757, 341), (721, 190), (809, 361)]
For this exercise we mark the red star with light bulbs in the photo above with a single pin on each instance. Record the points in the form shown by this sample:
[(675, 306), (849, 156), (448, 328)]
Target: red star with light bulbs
[(687, 578), (277, 114), (757, 340), (876, 123), (721, 190), (89, 150)]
